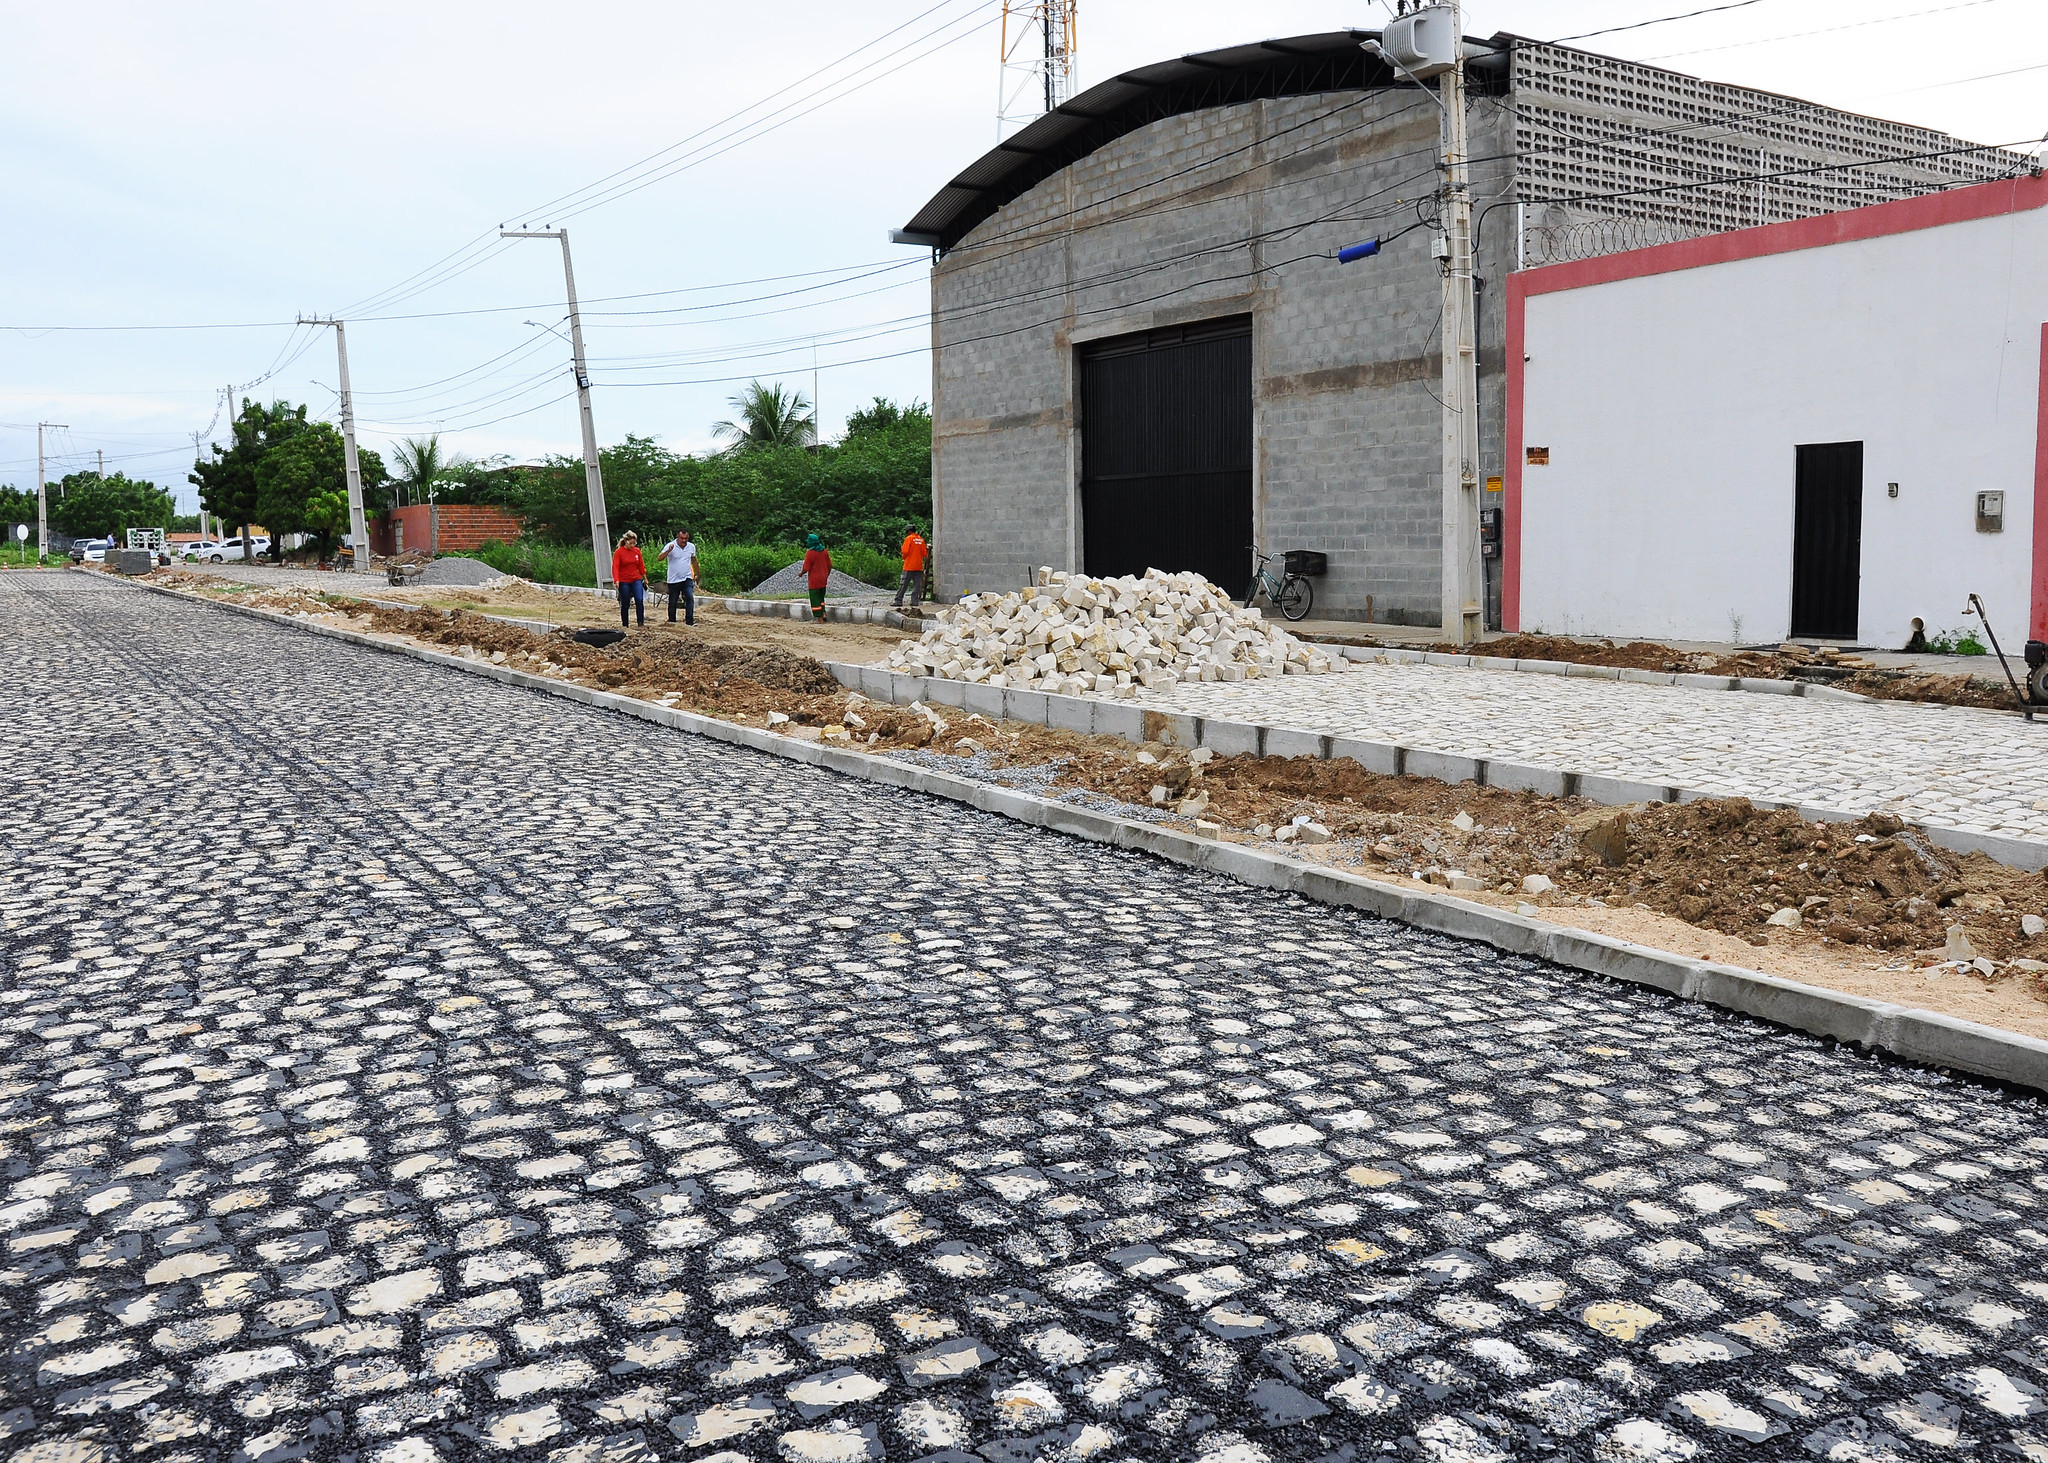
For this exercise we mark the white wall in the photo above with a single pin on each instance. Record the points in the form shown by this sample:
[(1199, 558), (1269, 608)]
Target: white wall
[(1671, 406)]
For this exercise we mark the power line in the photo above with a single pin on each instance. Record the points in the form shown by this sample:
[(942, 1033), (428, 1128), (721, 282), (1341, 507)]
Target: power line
[(1826, 30), (461, 260), (1661, 20)]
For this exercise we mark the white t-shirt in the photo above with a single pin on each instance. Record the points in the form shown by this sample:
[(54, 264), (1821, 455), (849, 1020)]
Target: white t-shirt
[(682, 561)]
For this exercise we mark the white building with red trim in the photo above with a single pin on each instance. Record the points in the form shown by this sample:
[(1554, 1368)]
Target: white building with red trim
[(1785, 431)]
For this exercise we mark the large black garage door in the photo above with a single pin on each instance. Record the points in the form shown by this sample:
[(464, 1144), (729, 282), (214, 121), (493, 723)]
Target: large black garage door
[(1166, 452)]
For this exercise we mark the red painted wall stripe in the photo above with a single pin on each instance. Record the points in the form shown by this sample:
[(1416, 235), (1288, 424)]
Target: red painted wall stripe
[(1511, 469), (2037, 627)]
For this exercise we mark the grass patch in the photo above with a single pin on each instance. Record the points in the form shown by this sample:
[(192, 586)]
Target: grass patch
[(1957, 642)]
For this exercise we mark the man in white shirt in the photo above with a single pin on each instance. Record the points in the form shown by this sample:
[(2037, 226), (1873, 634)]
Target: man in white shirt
[(681, 555)]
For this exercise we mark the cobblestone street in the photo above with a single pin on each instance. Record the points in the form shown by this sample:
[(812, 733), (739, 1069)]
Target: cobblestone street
[(1930, 764), (398, 1066)]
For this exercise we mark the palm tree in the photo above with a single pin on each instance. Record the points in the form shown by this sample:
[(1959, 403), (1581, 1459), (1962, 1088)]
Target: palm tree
[(421, 464), (768, 417)]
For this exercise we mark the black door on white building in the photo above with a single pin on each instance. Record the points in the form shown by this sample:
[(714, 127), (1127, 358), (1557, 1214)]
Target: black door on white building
[(1166, 452), (1827, 540)]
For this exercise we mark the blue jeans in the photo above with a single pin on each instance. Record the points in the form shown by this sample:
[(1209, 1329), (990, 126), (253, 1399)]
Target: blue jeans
[(633, 592), (686, 588)]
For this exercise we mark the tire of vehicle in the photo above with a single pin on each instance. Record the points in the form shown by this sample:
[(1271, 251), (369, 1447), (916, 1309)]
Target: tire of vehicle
[(1297, 595), (2037, 685), (216, 558)]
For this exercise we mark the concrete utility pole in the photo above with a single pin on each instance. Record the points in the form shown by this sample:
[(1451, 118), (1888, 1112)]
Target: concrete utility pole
[(101, 454), (248, 543), (358, 524), (1463, 576), (42, 494), (593, 477)]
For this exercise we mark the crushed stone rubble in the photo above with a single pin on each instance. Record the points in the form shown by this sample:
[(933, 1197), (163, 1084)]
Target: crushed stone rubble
[(1074, 635)]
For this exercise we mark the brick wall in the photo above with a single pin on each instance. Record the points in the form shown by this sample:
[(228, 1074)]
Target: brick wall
[(462, 526), (1345, 358)]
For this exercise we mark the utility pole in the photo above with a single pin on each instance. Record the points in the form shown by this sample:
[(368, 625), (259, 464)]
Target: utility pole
[(1463, 616), (42, 494), (358, 525), (197, 438), (101, 454), (248, 544), (1425, 41), (593, 477)]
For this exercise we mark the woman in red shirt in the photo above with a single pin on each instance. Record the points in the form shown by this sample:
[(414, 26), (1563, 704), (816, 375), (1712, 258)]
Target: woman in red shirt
[(629, 573), (817, 573)]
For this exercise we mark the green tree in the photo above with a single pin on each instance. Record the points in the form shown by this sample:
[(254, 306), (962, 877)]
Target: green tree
[(302, 486), (768, 416), (17, 505), (90, 506), (227, 481), (868, 488)]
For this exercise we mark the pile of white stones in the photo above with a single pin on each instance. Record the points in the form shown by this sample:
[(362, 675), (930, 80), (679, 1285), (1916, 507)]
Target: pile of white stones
[(1074, 635)]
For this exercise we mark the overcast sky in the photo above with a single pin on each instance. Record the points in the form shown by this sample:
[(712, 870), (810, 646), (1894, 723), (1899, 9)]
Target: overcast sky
[(239, 164)]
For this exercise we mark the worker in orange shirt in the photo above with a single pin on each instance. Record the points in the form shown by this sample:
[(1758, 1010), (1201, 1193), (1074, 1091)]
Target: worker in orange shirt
[(916, 553)]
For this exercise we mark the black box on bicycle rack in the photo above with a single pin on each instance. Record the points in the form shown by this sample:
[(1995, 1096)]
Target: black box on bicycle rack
[(1307, 561)]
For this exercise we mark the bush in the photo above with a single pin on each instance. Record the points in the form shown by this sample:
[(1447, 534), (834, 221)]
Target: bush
[(737, 568), (721, 568), (542, 563)]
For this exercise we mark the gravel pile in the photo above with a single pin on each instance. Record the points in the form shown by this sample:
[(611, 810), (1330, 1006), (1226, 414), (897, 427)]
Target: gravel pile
[(1073, 635), (473, 573), (791, 581)]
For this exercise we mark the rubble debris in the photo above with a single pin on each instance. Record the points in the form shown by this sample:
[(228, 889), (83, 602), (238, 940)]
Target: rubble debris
[(1074, 635), (1604, 832)]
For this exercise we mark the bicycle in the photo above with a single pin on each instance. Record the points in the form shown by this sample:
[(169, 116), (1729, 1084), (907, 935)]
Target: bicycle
[(1291, 594)]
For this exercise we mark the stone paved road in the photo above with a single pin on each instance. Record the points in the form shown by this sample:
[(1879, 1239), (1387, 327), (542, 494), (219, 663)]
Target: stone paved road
[(1932, 764), (540, 1084)]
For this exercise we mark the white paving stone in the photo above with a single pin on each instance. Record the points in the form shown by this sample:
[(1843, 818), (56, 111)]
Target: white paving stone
[(1970, 768)]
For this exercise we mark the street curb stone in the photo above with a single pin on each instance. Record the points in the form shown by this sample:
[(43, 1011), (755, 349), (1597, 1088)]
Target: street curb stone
[(1925, 1037), (797, 609)]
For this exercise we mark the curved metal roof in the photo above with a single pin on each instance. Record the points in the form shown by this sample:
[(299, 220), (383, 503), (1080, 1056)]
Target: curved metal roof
[(1297, 66)]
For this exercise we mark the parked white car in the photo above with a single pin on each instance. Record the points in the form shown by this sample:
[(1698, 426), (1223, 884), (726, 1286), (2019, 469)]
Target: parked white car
[(228, 551), (89, 550)]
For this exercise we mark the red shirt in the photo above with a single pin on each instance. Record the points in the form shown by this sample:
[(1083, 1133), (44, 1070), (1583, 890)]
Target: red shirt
[(627, 564), (913, 553), (817, 568)]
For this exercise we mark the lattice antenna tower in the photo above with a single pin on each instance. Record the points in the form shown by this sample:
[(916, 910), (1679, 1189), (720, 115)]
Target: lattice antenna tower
[(1038, 61)]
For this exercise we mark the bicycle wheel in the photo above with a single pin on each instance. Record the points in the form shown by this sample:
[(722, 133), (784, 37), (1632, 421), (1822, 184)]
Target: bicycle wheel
[(1296, 596), (1251, 595)]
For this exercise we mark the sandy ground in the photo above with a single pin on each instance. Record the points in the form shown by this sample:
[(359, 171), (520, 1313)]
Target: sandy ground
[(740, 667)]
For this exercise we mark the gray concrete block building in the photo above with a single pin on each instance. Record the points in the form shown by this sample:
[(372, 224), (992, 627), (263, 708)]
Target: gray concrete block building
[(1147, 355)]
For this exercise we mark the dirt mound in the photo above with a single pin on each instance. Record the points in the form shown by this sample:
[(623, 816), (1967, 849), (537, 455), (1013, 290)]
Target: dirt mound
[(723, 679), (766, 665), (1722, 864)]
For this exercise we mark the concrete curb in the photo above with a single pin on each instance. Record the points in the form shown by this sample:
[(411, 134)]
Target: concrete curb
[(1394, 655), (1134, 722), (1925, 1037), (842, 614)]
